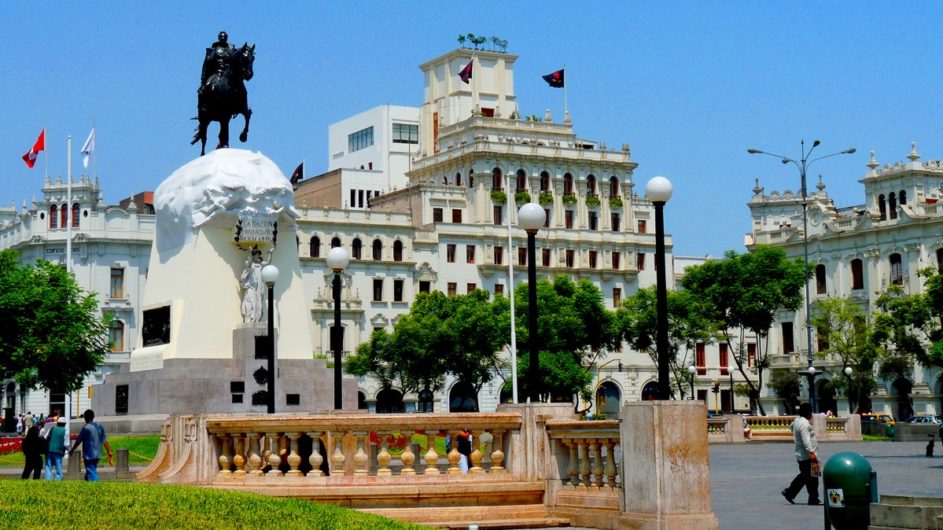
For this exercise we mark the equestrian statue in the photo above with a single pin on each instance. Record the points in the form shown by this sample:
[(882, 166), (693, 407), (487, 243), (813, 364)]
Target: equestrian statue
[(222, 94)]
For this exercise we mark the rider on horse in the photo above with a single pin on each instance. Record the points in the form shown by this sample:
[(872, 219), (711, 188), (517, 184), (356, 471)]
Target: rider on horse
[(217, 63), (222, 94)]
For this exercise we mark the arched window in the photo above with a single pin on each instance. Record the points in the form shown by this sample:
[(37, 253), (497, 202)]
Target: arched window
[(608, 400), (568, 184), (335, 242), (390, 401), (902, 197), (458, 178), (820, 286), (397, 250), (75, 215), (892, 205), (462, 398), (497, 182), (64, 215), (53, 216), (613, 186), (471, 179), (521, 180), (362, 401), (357, 248), (591, 185), (116, 335), (897, 270), (544, 181), (314, 247), (882, 208), (377, 250), (857, 274)]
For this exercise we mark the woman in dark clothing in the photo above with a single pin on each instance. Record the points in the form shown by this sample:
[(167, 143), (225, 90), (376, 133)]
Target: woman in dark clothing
[(33, 450)]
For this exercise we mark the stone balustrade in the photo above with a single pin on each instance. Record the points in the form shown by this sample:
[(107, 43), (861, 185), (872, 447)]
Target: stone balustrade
[(589, 448)]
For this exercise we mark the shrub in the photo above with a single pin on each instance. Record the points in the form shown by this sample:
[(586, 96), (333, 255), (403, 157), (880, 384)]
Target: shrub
[(592, 200), (569, 199), (522, 197), (615, 202), (499, 196), (545, 198)]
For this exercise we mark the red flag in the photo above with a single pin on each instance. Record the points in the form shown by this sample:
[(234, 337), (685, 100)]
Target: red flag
[(555, 79), (40, 145), (298, 174), (466, 72)]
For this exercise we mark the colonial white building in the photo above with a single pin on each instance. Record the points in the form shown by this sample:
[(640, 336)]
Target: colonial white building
[(858, 251)]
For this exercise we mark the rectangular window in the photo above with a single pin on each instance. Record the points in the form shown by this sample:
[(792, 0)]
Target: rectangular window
[(614, 222), (398, 290), (469, 253), (568, 219), (456, 215), (569, 258), (821, 340), (121, 399), (857, 274), (522, 256), (788, 344), (353, 197), (452, 288), (405, 133), (545, 257), (592, 259), (424, 286), (359, 198), (642, 226), (378, 289), (499, 289), (615, 261), (700, 359), (616, 296), (640, 261), (820, 287), (751, 355), (360, 140), (498, 215), (450, 253), (470, 287), (437, 215), (116, 335), (117, 283), (498, 255), (723, 358), (593, 221)]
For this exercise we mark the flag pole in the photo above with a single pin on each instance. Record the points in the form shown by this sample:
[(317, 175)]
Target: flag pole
[(511, 292), (565, 109), (68, 206), (94, 154), (45, 157)]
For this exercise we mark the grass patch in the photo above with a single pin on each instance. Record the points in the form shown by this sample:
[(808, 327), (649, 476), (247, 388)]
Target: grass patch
[(142, 450), (875, 438), (127, 505)]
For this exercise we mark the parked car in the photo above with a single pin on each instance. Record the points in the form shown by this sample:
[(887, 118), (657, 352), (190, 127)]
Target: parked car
[(878, 417), (925, 419)]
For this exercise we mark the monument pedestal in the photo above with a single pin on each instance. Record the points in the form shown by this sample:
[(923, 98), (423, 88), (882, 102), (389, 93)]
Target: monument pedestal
[(665, 471)]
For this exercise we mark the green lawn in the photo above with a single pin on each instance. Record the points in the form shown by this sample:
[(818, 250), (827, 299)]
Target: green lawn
[(142, 449), (110, 505)]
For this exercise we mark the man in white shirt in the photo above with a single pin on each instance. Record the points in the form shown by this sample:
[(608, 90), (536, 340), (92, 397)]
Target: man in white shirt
[(804, 434)]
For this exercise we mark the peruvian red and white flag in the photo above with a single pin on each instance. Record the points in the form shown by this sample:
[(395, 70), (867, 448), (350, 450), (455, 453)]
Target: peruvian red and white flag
[(40, 145)]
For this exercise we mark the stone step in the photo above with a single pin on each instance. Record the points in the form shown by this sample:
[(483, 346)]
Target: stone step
[(493, 517)]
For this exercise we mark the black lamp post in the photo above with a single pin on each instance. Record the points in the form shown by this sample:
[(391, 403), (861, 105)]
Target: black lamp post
[(658, 190), (270, 276), (531, 217), (803, 164), (337, 259), (693, 371)]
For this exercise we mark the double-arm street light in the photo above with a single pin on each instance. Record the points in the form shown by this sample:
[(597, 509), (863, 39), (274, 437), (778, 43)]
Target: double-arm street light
[(658, 190), (531, 217), (269, 277), (337, 259), (803, 164)]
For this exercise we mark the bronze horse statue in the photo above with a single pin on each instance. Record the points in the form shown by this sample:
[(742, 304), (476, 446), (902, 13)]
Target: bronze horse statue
[(225, 97)]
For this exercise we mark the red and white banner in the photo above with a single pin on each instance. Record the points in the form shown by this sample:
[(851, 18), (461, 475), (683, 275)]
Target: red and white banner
[(40, 145)]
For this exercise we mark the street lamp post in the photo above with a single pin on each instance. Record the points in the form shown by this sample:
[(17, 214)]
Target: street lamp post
[(812, 373), (803, 164), (693, 371), (337, 259), (531, 217), (848, 371), (270, 276), (658, 190)]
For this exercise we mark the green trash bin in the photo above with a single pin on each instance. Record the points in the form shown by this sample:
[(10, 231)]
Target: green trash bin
[(850, 488), (889, 430)]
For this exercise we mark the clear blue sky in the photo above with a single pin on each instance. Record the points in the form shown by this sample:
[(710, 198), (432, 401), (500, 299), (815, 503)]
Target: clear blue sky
[(689, 85)]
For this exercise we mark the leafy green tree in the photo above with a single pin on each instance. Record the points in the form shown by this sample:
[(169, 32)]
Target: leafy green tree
[(53, 334), (786, 385), (844, 330), (574, 329), (687, 325), (744, 292)]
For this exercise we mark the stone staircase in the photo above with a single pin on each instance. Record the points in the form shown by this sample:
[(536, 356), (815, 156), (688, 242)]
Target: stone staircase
[(492, 517)]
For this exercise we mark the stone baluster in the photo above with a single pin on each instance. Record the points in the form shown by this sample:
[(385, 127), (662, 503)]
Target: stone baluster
[(573, 464), (610, 462), (294, 459), (360, 456), (497, 452), (474, 467), (454, 456), (224, 460), (583, 455), (315, 459), (338, 459), (431, 458), (239, 459), (594, 450), (408, 459), (383, 457), (254, 463), (273, 459)]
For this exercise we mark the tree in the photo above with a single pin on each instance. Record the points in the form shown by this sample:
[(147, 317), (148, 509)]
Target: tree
[(744, 292), (637, 319), (844, 331), (574, 329), (786, 384), (52, 334)]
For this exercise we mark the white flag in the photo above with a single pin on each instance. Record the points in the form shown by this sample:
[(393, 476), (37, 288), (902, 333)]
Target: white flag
[(88, 147)]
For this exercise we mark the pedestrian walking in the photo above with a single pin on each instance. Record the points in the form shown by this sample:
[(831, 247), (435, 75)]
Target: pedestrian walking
[(464, 449), (33, 452), (56, 450), (91, 438), (808, 476), (19, 426)]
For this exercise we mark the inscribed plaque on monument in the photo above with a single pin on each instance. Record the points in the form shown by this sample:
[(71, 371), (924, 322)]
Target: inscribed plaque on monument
[(156, 328)]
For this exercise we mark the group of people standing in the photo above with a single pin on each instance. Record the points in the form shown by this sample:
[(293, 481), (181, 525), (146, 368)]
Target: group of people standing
[(52, 441)]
